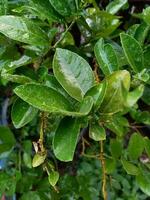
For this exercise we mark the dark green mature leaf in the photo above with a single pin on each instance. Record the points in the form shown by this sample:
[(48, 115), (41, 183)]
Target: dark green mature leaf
[(141, 33), (147, 145), (118, 125), (43, 98), (97, 93), (32, 195), (115, 148), (136, 146), (22, 113), (101, 23), (52, 82), (7, 184), (130, 168), (45, 10), (66, 138), (7, 141), (73, 73), (65, 7), (23, 30), (146, 95), (133, 52), (115, 5), (116, 92), (49, 100), (97, 132), (110, 165), (141, 116), (16, 78), (24, 60), (106, 57), (143, 182)]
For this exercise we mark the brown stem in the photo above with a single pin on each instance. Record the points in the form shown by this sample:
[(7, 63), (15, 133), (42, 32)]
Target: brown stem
[(42, 129), (104, 175)]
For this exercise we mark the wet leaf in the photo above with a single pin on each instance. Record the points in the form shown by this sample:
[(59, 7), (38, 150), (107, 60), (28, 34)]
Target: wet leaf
[(65, 139), (106, 57), (73, 73), (97, 132), (133, 52), (23, 30), (22, 113)]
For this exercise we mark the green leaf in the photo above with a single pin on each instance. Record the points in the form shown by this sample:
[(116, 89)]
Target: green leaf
[(130, 168), (110, 165), (146, 15), (116, 92), (141, 33), (147, 145), (43, 98), (7, 141), (49, 100), (146, 95), (97, 132), (97, 93), (114, 6), (52, 82), (16, 78), (73, 73), (23, 30), (53, 178), (133, 52), (38, 159), (136, 146), (115, 148), (27, 160), (100, 23), (106, 57), (45, 10), (140, 116), (7, 184), (118, 125), (65, 8), (65, 139), (32, 195), (135, 95), (22, 113), (144, 184), (24, 60), (3, 7)]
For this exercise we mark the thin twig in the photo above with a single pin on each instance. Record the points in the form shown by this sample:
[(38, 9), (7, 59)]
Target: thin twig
[(63, 34), (104, 176)]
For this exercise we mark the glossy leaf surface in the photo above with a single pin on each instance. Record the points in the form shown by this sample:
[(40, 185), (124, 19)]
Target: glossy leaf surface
[(114, 6), (73, 73), (133, 52), (106, 57), (65, 8), (116, 92), (97, 132), (23, 30), (65, 139), (97, 93), (22, 113)]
